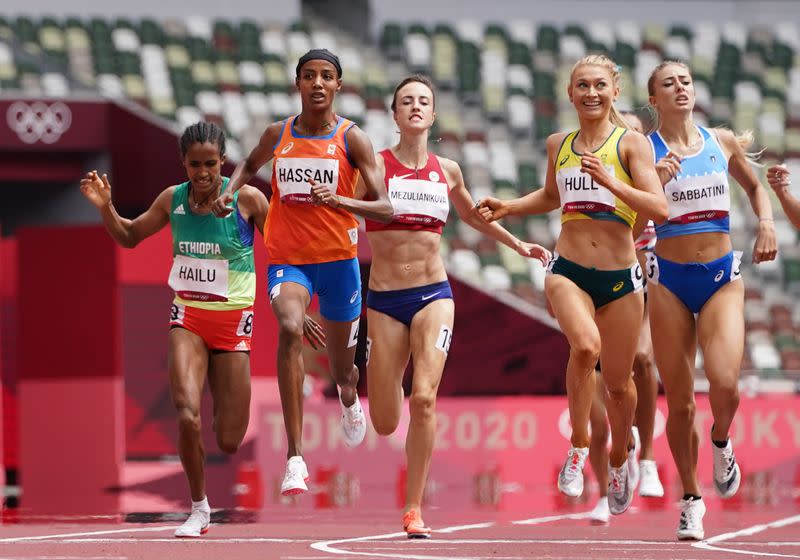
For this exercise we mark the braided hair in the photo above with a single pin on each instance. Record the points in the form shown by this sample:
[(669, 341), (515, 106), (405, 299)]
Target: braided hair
[(200, 133)]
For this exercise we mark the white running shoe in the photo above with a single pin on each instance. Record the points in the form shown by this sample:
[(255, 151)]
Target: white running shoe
[(600, 513), (633, 459), (727, 475), (570, 479), (294, 481), (195, 525), (690, 526), (620, 491), (649, 483), (354, 423)]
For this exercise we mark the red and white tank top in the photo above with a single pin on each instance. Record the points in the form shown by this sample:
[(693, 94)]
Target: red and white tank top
[(420, 197)]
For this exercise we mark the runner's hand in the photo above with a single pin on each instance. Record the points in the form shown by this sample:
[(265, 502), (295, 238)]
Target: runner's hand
[(668, 167), (221, 206), (313, 333), (534, 251), (778, 177), (592, 166), (96, 189), (491, 209), (320, 194)]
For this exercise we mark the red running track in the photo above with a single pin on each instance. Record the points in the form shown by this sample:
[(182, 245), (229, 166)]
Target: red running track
[(763, 531)]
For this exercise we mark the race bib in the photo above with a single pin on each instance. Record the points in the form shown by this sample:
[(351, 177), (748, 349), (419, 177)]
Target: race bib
[(416, 201), (651, 267), (293, 176), (637, 277), (579, 192), (698, 198), (199, 279)]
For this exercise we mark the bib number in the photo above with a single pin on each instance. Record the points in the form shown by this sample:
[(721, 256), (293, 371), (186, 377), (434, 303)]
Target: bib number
[(444, 339), (176, 314), (199, 279), (637, 277), (698, 198), (416, 201), (293, 176), (651, 267), (579, 192), (245, 327)]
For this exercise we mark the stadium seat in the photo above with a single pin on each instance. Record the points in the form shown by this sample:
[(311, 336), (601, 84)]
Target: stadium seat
[(499, 95)]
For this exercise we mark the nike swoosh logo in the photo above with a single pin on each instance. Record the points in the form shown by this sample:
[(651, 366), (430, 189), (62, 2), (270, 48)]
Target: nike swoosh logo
[(426, 298), (402, 176)]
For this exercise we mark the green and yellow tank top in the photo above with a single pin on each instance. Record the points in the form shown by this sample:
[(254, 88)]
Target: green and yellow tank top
[(581, 197), (213, 264)]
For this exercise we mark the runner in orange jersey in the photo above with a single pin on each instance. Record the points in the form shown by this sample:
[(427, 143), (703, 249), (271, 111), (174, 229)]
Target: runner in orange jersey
[(311, 235)]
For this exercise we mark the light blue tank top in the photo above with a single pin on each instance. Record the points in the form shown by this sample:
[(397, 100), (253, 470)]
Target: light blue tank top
[(699, 198)]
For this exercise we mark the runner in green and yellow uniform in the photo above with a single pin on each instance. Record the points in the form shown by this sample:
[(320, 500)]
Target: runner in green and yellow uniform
[(213, 276)]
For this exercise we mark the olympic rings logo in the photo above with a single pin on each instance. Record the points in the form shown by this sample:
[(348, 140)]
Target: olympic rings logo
[(39, 121)]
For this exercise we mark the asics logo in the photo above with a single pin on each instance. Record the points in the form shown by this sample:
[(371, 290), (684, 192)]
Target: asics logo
[(618, 286), (719, 275), (429, 296), (39, 121)]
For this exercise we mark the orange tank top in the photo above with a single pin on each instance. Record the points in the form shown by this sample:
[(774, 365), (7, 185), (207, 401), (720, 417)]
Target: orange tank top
[(297, 232)]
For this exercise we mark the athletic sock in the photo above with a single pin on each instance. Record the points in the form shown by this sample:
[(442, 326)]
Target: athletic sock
[(201, 505)]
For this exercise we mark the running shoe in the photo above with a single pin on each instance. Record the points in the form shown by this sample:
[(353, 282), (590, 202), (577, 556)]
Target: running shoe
[(633, 459), (600, 513), (354, 423), (414, 526), (570, 479), (195, 525), (649, 483), (620, 491), (727, 475), (294, 481), (690, 526)]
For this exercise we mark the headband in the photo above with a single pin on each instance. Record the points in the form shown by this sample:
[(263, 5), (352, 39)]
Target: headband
[(319, 54)]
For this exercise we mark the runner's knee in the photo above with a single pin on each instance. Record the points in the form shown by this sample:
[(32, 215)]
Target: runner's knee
[(228, 443), (422, 404), (585, 351), (682, 411), (189, 421)]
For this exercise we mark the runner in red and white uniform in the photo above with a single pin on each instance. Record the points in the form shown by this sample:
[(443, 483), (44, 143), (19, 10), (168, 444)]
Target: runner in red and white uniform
[(409, 304)]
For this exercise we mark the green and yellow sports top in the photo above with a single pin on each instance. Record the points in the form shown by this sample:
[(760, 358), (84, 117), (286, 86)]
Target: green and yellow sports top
[(213, 264), (581, 197)]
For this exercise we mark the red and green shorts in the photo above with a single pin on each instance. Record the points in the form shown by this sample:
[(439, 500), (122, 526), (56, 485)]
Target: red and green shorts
[(226, 331)]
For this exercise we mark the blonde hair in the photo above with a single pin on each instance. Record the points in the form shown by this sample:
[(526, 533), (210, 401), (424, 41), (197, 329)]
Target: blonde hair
[(613, 68), (745, 139)]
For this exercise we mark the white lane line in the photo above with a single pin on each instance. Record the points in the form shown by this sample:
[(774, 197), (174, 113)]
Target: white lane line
[(88, 534), (68, 558), (331, 546), (232, 540), (433, 542), (328, 546), (708, 544), (448, 530), (765, 543), (551, 518)]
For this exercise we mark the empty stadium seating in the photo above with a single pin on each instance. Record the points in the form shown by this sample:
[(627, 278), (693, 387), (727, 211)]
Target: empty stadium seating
[(500, 93)]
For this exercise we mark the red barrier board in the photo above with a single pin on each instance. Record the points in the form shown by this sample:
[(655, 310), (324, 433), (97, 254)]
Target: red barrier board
[(505, 452)]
